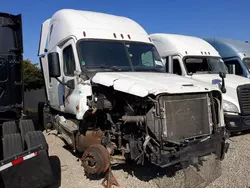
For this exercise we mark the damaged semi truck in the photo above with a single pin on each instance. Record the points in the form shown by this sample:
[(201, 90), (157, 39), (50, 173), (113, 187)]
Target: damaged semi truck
[(24, 161), (108, 95)]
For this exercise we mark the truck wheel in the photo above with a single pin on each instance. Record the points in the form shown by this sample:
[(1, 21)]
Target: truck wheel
[(44, 116), (12, 145), (26, 125), (40, 113), (95, 159), (9, 127), (34, 139)]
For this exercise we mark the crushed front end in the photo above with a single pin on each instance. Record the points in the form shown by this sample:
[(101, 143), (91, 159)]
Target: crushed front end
[(185, 128), (164, 129)]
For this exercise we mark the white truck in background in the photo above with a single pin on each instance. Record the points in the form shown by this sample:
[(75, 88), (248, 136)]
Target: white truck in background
[(107, 93), (194, 58), (235, 54)]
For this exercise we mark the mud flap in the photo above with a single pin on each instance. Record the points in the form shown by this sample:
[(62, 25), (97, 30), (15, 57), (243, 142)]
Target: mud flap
[(32, 173), (194, 176)]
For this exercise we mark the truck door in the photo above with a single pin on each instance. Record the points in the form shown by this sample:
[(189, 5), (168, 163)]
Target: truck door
[(69, 66), (176, 66)]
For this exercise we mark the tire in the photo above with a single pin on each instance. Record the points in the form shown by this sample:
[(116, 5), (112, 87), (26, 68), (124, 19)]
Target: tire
[(25, 127), (34, 139), (44, 116), (40, 113), (9, 127), (12, 145)]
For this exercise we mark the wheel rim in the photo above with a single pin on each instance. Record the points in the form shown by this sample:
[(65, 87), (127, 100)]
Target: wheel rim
[(95, 159)]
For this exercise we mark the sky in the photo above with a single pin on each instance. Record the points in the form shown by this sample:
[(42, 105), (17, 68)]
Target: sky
[(201, 18)]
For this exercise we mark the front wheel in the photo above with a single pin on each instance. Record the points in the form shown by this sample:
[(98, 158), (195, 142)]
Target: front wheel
[(44, 115), (95, 159)]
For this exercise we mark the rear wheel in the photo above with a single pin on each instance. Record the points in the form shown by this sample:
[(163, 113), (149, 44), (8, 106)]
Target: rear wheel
[(44, 116), (12, 145), (9, 127), (34, 139), (25, 125)]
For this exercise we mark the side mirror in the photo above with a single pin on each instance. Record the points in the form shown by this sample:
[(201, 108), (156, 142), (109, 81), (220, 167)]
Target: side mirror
[(71, 84), (54, 65), (222, 75)]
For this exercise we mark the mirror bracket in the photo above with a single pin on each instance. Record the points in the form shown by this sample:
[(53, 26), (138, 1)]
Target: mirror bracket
[(70, 84), (223, 88)]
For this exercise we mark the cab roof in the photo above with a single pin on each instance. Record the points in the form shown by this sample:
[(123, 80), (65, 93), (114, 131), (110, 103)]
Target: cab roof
[(169, 44), (230, 48), (87, 24)]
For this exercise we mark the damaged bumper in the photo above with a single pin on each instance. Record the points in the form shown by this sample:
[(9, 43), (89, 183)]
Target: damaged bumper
[(236, 123), (214, 144)]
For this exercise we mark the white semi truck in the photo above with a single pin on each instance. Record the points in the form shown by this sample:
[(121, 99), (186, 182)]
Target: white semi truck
[(107, 93), (194, 58)]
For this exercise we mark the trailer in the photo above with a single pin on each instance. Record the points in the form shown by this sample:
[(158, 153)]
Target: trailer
[(24, 160)]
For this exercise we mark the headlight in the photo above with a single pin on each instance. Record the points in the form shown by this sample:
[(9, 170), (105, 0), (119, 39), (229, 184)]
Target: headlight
[(230, 107)]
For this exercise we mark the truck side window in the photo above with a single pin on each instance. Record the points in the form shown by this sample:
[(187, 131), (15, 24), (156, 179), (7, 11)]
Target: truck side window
[(234, 67), (68, 61), (167, 63), (176, 67)]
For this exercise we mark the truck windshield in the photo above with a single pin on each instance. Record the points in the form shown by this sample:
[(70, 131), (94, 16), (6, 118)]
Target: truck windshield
[(247, 63), (205, 65), (103, 55)]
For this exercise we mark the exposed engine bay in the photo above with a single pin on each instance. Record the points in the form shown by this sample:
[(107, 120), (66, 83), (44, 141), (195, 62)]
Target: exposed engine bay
[(161, 129), (165, 129)]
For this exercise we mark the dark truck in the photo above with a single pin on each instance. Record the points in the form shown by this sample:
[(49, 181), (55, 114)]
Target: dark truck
[(24, 160)]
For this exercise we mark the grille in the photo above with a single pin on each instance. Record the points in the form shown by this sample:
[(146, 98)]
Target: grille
[(186, 116), (244, 98)]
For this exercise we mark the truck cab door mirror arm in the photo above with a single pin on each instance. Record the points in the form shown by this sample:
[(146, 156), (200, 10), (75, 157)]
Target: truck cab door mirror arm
[(223, 76), (70, 84)]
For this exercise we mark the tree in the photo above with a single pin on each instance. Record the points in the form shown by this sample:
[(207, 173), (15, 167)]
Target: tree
[(32, 76)]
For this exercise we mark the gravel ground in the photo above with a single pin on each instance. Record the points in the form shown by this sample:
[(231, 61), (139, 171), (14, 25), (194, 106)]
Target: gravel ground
[(236, 165), (235, 169)]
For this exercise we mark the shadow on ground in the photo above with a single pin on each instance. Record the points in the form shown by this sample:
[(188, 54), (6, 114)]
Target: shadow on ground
[(56, 168), (148, 171), (235, 134), (179, 176)]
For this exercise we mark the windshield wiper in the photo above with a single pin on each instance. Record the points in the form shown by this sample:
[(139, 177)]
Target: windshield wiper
[(114, 68), (148, 69), (207, 72)]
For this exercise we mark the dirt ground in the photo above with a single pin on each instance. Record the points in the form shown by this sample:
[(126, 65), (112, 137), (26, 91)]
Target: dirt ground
[(69, 173)]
